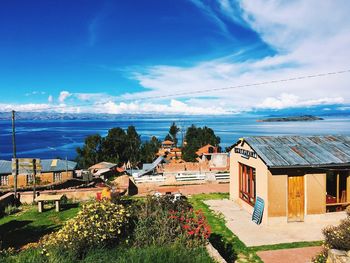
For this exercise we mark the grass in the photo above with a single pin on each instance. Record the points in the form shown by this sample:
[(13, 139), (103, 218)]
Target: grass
[(229, 245), (226, 242), (169, 254), (29, 225), (287, 245)]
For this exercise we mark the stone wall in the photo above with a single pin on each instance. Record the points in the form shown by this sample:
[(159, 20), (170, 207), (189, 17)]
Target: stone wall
[(338, 256)]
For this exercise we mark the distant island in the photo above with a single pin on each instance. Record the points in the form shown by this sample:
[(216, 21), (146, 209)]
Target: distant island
[(292, 118)]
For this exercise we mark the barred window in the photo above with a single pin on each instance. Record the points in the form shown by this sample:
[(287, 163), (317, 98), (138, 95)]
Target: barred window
[(57, 176), (4, 180)]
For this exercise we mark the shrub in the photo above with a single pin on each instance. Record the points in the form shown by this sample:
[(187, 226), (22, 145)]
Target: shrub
[(97, 224), (193, 225), (162, 221), (336, 237), (11, 209)]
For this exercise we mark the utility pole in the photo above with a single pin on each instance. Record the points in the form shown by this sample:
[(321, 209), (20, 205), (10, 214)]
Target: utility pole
[(14, 150), (34, 179)]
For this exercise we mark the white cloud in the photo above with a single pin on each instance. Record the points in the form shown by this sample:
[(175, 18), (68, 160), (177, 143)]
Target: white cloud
[(50, 99), (63, 96), (291, 101), (307, 41)]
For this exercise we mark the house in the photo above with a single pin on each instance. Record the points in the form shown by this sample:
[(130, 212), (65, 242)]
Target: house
[(206, 150), (104, 169), (167, 144), (300, 178), (53, 170)]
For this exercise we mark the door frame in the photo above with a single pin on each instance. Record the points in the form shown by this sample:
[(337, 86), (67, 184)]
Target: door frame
[(304, 199)]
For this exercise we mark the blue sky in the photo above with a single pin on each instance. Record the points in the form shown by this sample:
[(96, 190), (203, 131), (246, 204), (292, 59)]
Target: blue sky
[(68, 53)]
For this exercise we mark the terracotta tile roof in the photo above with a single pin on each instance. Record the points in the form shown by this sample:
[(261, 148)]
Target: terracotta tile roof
[(167, 142)]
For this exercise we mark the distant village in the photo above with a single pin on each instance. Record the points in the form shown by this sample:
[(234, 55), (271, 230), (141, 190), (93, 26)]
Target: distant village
[(167, 168)]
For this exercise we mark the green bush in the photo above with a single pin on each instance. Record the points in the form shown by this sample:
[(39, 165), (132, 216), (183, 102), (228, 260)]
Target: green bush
[(162, 221)]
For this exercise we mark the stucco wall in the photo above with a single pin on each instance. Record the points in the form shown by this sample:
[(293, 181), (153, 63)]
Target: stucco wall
[(315, 193), (261, 178), (277, 194)]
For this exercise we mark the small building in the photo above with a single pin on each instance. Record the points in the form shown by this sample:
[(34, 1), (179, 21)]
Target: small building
[(167, 144), (207, 150), (104, 169), (299, 178), (53, 171)]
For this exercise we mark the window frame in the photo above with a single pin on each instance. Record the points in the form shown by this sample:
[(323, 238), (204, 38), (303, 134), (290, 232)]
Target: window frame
[(247, 183)]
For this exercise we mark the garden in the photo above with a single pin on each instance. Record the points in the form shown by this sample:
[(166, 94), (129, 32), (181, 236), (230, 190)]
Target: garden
[(153, 229)]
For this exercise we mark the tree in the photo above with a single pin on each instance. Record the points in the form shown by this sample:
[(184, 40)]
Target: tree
[(114, 146), (91, 152), (133, 143), (173, 131), (197, 138), (149, 150)]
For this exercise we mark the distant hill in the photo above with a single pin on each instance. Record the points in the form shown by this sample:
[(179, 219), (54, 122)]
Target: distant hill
[(292, 118)]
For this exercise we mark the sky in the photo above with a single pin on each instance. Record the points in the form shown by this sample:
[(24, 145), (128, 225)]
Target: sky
[(125, 57)]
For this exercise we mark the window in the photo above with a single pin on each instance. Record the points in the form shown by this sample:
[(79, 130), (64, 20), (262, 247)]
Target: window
[(336, 188), (247, 183), (57, 176), (4, 180)]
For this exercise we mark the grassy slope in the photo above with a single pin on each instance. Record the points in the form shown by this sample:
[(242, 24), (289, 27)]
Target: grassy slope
[(29, 225)]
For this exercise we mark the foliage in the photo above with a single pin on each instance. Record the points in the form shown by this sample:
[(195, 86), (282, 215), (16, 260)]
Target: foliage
[(228, 244), (118, 146), (96, 224), (161, 221), (153, 254), (193, 225), (91, 152), (149, 150), (197, 137), (172, 135), (336, 237), (11, 209)]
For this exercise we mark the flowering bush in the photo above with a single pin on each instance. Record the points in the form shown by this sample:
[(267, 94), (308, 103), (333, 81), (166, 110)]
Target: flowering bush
[(336, 237), (161, 221), (97, 223), (193, 224)]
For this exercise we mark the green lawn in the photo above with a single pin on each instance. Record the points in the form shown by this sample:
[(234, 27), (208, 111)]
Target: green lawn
[(28, 225), (228, 244)]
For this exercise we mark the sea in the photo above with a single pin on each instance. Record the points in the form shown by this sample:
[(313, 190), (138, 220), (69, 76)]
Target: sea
[(59, 138)]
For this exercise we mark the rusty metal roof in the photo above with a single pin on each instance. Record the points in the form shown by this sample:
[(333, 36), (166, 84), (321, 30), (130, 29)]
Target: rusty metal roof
[(305, 151)]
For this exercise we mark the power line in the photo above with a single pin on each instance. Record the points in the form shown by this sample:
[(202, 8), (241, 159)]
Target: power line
[(187, 93)]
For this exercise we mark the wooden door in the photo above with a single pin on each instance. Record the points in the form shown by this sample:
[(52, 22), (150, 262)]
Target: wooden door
[(295, 198)]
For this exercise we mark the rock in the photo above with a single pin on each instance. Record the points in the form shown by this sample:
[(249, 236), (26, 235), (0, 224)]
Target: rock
[(338, 256)]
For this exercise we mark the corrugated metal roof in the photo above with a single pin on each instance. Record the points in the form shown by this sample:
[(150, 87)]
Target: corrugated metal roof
[(61, 165), (284, 151)]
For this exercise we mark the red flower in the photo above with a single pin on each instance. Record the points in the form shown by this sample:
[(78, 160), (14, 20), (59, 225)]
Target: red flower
[(190, 232)]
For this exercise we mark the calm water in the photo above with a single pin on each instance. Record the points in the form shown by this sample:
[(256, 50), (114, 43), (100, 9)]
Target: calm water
[(59, 138)]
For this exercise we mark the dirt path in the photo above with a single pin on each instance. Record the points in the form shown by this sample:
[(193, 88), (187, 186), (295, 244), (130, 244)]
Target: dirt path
[(293, 255)]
